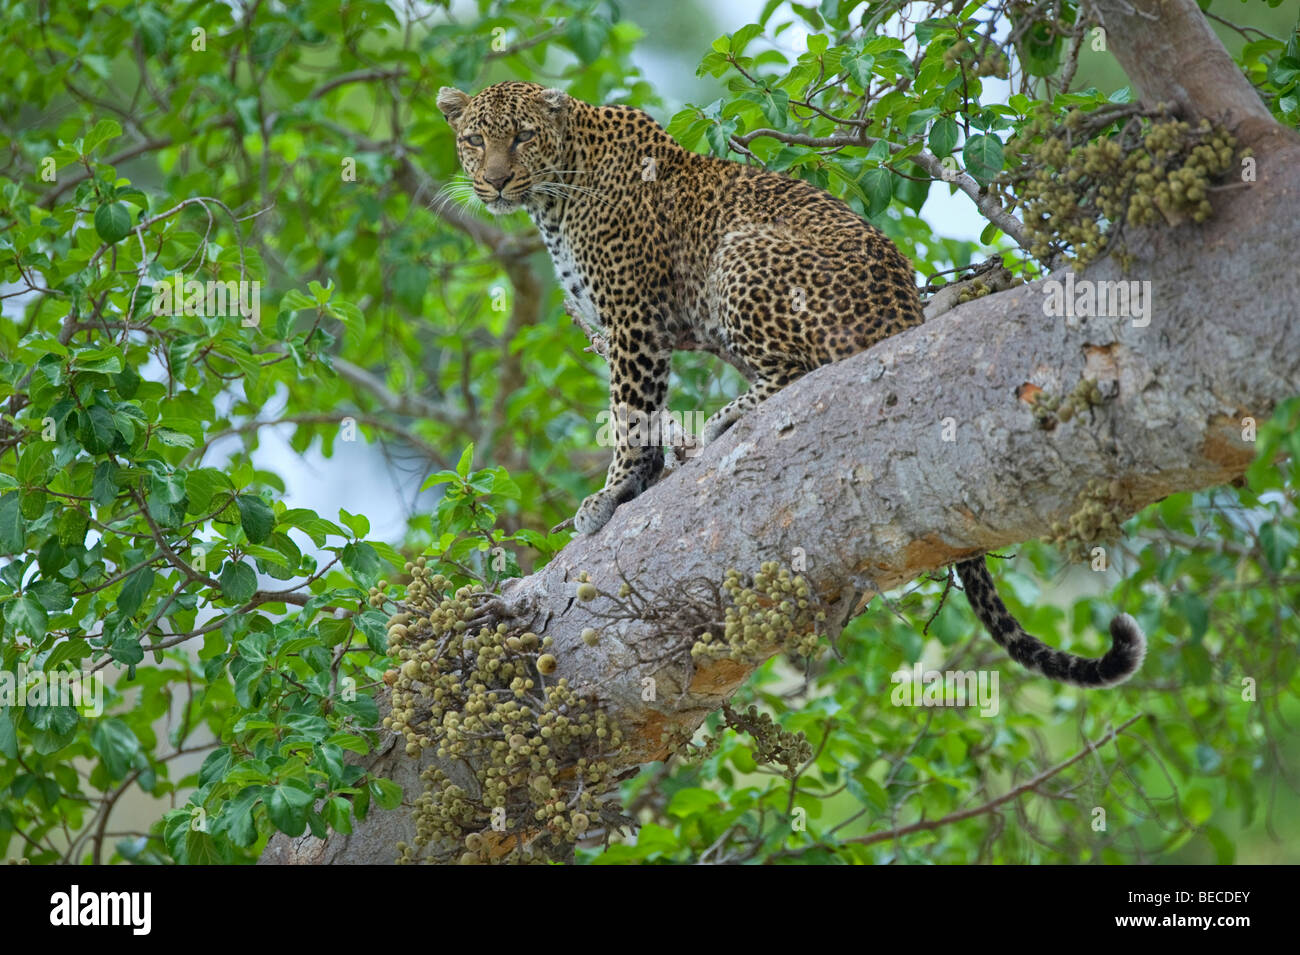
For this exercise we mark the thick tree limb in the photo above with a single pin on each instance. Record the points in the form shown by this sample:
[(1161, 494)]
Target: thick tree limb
[(850, 464), (1170, 52)]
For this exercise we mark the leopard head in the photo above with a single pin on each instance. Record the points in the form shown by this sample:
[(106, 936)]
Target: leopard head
[(509, 139)]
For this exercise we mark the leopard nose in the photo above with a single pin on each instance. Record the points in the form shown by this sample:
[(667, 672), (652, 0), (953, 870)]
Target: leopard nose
[(498, 182)]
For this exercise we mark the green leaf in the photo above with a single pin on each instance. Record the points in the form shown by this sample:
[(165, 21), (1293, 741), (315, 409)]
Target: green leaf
[(1284, 72), (330, 757), (35, 464), (254, 646), (294, 301), (943, 136), (1279, 543), (168, 489), (338, 813), (1040, 49), (504, 485), (134, 591), (467, 59), (304, 724), (586, 37), (466, 460), (287, 807), (360, 558), (1225, 849), (236, 819), (687, 127), (112, 221), (386, 792), (374, 625), (117, 745), (1197, 663), (126, 648), (719, 136), (349, 314), (104, 130), (983, 157), (917, 120), (363, 709), (776, 106), (358, 524), (97, 431), (878, 187), (319, 292), (13, 529), (8, 735), (202, 485), (216, 765), (1198, 805), (410, 281), (692, 801), (105, 360), (255, 517), (740, 39), (104, 484), (389, 554), (238, 582), (27, 615), (858, 66), (173, 439)]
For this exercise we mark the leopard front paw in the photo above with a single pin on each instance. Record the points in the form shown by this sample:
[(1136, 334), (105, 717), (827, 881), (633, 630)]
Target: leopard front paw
[(595, 512)]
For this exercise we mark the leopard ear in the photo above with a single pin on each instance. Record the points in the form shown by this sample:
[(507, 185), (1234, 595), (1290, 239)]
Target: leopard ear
[(556, 100), (452, 103)]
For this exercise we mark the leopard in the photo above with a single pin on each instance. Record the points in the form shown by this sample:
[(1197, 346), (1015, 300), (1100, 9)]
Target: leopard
[(659, 249)]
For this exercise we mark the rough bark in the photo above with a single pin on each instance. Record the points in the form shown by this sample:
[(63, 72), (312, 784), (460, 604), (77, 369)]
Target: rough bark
[(850, 465), (1171, 54)]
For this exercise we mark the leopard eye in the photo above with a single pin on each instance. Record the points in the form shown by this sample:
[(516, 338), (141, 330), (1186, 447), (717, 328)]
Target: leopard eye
[(475, 140), (524, 135)]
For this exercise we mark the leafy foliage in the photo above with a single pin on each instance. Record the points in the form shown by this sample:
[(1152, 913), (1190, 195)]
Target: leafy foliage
[(141, 539)]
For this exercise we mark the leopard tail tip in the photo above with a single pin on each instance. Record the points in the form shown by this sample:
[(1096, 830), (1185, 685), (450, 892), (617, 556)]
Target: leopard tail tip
[(1128, 648)]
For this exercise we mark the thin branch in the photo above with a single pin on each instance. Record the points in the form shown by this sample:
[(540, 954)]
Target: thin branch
[(992, 805)]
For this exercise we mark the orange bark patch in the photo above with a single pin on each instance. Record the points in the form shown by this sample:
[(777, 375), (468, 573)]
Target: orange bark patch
[(1028, 392), (1099, 362), (500, 844), (1223, 446), (719, 677), (929, 551), (646, 743)]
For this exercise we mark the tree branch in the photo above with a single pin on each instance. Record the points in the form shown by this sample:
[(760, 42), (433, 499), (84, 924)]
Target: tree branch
[(986, 202), (1172, 55), (1029, 785)]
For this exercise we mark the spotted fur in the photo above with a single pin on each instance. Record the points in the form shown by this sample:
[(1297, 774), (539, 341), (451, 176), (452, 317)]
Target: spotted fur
[(664, 249)]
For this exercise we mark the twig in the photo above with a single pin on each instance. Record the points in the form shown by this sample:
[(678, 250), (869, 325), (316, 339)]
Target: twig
[(1028, 785)]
